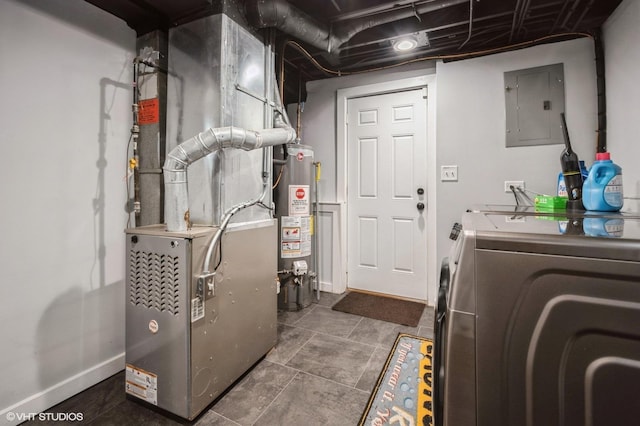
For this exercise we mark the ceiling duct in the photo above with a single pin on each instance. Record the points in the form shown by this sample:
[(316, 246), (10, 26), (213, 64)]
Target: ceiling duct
[(287, 18)]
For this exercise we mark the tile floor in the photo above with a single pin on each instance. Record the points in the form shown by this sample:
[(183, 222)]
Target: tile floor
[(321, 372)]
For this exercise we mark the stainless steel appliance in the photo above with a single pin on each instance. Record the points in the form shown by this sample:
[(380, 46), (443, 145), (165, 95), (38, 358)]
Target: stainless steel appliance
[(537, 321), (186, 342), (202, 290)]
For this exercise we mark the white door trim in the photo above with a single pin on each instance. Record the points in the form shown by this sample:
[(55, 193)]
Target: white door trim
[(343, 97)]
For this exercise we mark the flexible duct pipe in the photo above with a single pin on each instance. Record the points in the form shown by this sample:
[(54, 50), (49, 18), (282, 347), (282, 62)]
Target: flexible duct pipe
[(280, 120), (199, 146)]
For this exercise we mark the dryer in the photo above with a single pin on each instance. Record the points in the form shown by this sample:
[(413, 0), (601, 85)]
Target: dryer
[(537, 321)]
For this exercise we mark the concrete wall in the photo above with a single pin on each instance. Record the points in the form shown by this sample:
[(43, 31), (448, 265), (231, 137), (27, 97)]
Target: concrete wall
[(65, 115)]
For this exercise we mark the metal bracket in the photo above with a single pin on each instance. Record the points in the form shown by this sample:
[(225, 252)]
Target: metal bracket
[(252, 94), (205, 288)]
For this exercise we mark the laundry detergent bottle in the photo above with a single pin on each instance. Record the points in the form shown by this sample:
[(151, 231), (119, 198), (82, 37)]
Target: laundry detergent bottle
[(602, 191)]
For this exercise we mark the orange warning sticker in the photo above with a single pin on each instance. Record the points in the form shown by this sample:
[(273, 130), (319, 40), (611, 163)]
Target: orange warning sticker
[(149, 111)]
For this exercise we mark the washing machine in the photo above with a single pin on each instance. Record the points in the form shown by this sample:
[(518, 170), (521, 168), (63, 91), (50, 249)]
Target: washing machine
[(537, 320)]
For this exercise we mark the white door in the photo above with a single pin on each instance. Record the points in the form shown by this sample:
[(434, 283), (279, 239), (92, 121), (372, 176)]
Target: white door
[(387, 179)]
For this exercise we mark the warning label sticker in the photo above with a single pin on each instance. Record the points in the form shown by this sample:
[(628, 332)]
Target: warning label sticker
[(141, 384), (298, 200), (290, 234), (295, 236), (149, 111), (197, 309)]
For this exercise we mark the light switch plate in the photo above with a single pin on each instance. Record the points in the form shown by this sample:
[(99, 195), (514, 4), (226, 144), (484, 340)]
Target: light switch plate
[(449, 173)]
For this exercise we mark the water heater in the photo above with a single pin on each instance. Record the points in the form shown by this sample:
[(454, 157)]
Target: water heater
[(294, 197)]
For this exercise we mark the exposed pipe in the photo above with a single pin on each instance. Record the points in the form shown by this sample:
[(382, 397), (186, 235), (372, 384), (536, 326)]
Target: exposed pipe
[(375, 10), (201, 145), (316, 230), (516, 16), (477, 20), (300, 107), (287, 18), (351, 28), (582, 15), (269, 116), (523, 14), (470, 24), (225, 222), (558, 17), (602, 92), (574, 7), (134, 163)]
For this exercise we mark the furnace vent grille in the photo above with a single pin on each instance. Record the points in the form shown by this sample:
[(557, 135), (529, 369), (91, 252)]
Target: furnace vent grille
[(154, 281)]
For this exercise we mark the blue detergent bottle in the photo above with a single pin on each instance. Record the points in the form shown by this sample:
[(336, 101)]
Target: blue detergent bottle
[(602, 191)]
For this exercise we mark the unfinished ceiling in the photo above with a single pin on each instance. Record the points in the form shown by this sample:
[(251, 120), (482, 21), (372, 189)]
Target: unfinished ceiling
[(346, 36)]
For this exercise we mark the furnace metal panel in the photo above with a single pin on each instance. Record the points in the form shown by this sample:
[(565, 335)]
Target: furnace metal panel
[(218, 78), (181, 354)]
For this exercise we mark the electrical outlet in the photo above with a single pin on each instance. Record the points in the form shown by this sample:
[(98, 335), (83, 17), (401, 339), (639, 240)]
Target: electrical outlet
[(515, 183), (449, 173), (515, 218)]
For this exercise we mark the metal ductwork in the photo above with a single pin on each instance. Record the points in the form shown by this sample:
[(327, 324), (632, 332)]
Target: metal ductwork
[(287, 18), (199, 146)]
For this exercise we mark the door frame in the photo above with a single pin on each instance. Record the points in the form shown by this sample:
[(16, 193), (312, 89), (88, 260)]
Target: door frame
[(342, 161)]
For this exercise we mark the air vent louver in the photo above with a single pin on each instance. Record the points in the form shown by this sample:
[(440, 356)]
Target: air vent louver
[(154, 281)]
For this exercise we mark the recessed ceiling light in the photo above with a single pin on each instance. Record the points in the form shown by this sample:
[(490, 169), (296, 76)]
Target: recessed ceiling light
[(404, 44)]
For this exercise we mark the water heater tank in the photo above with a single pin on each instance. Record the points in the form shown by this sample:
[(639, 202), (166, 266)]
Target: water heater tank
[(294, 210)]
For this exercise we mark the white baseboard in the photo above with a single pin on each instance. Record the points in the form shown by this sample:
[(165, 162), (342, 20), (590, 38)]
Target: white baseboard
[(59, 392), (326, 287)]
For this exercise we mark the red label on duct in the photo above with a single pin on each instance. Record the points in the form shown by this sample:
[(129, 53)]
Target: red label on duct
[(149, 111), (300, 156)]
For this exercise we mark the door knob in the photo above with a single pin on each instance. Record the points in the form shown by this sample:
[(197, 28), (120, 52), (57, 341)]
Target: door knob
[(420, 191), (420, 206)]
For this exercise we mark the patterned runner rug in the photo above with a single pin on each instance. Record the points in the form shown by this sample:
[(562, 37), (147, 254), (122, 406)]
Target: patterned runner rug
[(403, 394)]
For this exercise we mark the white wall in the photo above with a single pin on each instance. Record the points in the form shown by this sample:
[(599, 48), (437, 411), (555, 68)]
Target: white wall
[(471, 128), (319, 117), (621, 34), (65, 116), (319, 130)]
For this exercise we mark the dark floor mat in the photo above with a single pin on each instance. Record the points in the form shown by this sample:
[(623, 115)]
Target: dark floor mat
[(383, 308)]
